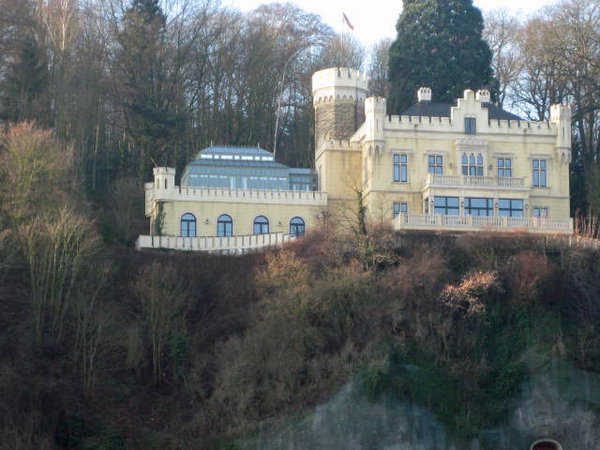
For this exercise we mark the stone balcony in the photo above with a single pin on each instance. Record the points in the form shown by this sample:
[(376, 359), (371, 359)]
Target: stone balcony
[(214, 244), (466, 181), (482, 223)]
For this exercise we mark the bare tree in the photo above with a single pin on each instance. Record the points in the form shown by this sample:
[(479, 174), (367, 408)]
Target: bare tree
[(163, 298), (379, 83), (502, 33)]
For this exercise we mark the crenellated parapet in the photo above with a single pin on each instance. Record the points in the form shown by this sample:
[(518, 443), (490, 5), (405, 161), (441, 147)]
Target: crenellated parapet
[(212, 194), (336, 145), (339, 83), (375, 106), (446, 124), (338, 98)]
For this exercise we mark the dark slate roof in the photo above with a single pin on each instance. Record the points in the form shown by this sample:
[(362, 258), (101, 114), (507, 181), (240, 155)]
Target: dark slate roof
[(428, 109), (500, 114), (443, 110)]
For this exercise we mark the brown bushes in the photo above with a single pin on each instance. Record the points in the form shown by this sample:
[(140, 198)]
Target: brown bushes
[(310, 334), (468, 297), (526, 273)]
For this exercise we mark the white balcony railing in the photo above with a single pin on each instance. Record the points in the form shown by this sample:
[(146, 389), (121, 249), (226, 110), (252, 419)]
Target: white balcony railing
[(217, 244), (434, 180), (479, 223)]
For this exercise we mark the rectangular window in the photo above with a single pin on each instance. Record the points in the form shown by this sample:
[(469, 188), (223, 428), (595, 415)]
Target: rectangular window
[(540, 211), (504, 167), (470, 125), (401, 168), (436, 164), (479, 206), (400, 208), (539, 173), (510, 207), (446, 205)]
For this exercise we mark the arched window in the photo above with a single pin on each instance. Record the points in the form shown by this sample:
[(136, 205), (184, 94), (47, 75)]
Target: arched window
[(188, 225), (261, 225), (224, 225), (297, 227)]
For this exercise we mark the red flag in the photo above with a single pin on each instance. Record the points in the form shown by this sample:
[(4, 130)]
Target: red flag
[(347, 22)]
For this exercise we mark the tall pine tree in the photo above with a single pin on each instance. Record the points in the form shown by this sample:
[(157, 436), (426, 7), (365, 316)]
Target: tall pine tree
[(439, 45), (145, 88), (21, 91)]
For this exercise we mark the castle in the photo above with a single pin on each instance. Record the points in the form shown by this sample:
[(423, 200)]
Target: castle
[(464, 167)]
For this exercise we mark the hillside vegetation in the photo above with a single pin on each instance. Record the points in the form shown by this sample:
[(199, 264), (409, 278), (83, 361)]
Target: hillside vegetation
[(102, 347)]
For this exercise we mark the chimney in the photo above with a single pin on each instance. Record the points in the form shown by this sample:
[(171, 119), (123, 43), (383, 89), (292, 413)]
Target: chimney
[(483, 95), (424, 94)]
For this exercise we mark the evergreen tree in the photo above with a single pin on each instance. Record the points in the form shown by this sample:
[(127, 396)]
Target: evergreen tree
[(26, 80), (439, 45), (144, 86)]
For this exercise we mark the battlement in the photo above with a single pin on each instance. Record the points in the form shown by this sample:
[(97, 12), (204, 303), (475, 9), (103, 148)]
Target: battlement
[(375, 105), (163, 171), (432, 123), (213, 194), (336, 145), (560, 112), (341, 144), (340, 77), (339, 84)]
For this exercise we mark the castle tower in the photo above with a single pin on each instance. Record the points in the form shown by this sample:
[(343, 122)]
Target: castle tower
[(338, 99), (164, 180), (561, 116), (375, 110)]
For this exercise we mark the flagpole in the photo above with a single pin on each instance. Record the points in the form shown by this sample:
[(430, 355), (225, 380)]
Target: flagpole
[(342, 44)]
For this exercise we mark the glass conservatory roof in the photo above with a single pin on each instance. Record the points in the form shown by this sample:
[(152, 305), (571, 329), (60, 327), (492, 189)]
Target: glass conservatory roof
[(236, 156), (245, 168)]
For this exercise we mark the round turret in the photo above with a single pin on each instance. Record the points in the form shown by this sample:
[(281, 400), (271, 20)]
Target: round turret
[(164, 178), (338, 99)]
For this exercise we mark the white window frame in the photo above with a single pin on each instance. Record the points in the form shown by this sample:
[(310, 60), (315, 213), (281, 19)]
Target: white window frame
[(400, 164)]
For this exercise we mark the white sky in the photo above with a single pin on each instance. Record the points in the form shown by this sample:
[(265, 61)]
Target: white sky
[(376, 19)]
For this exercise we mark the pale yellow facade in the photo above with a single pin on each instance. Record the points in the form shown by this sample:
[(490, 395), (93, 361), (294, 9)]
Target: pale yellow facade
[(169, 203), (465, 171), (388, 158)]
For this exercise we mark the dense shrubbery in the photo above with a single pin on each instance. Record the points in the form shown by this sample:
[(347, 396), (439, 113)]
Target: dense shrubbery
[(102, 346)]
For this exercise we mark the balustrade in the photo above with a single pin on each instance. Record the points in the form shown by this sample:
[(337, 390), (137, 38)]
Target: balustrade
[(468, 222), (225, 244), (473, 181)]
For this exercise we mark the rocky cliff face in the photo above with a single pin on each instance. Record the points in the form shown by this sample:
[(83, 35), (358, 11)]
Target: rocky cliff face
[(557, 402)]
